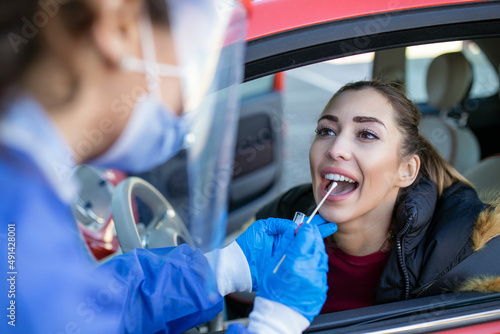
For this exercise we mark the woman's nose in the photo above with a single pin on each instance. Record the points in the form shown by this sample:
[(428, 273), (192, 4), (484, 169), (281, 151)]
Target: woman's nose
[(339, 148)]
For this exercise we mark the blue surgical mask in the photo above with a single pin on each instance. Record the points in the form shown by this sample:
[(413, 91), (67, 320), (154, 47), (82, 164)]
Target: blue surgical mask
[(152, 136)]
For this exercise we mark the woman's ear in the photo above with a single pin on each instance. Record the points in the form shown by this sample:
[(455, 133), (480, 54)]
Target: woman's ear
[(408, 171), (115, 31)]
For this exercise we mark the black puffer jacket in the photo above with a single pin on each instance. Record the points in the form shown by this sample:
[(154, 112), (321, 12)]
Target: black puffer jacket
[(434, 250)]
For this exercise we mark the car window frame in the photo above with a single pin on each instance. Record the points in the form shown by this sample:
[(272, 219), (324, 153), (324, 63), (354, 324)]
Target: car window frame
[(330, 40)]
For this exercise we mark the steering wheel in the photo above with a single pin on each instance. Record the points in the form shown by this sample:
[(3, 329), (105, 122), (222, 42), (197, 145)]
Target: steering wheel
[(166, 228)]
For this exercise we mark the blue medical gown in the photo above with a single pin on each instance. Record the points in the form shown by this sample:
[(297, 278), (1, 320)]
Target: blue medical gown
[(56, 288)]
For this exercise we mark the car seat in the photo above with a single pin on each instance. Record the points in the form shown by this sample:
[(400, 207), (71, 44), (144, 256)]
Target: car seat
[(485, 176), (449, 79)]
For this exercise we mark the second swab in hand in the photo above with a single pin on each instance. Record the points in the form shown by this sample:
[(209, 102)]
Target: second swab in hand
[(334, 184)]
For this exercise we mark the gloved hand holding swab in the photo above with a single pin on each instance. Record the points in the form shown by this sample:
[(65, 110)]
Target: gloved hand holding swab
[(333, 185)]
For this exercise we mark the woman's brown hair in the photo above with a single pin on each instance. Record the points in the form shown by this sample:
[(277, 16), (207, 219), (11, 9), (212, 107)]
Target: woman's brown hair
[(20, 25), (407, 117), (21, 20)]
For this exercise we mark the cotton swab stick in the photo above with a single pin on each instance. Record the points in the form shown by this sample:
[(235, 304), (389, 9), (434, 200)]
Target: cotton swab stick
[(334, 184)]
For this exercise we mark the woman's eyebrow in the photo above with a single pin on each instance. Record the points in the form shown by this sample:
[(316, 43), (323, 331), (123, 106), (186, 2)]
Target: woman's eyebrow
[(367, 119), (330, 118), (357, 119)]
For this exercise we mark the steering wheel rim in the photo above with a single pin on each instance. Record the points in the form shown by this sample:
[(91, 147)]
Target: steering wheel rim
[(165, 220)]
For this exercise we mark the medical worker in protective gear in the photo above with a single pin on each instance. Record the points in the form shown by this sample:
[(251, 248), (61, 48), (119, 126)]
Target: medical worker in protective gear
[(126, 84)]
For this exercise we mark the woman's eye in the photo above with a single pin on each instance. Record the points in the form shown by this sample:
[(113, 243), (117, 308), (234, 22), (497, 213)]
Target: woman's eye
[(323, 132), (365, 134)]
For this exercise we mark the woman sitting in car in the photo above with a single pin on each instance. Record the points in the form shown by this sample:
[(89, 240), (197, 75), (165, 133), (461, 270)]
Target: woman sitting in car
[(409, 225)]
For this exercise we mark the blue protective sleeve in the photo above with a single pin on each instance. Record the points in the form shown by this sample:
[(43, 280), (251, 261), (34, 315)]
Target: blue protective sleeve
[(238, 328), (165, 288), (55, 288)]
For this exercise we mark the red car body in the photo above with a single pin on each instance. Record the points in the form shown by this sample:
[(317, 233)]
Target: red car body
[(270, 17)]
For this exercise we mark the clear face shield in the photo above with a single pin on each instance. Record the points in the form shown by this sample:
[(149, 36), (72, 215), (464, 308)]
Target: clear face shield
[(208, 37)]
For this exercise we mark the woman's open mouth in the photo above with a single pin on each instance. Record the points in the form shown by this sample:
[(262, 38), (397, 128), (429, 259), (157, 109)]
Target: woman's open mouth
[(345, 185)]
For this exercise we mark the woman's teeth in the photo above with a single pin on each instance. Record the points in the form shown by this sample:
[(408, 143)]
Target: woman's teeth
[(345, 184), (338, 177)]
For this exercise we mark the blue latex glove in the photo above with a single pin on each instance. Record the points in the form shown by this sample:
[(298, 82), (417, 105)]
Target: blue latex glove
[(300, 281), (326, 229), (260, 241), (265, 236), (237, 328)]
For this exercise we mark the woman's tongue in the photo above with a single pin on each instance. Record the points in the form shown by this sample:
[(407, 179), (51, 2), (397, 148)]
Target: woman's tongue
[(343, 188)]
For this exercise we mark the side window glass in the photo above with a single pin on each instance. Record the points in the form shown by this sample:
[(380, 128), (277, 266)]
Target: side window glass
[(485, 82), (256, 87), (418, 59), (308, 89)]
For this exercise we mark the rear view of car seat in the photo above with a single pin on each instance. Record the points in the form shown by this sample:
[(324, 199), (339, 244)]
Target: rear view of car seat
[(449, 79), (485, 176)]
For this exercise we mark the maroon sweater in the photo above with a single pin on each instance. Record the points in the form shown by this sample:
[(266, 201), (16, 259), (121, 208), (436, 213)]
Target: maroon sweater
[(351, 279)]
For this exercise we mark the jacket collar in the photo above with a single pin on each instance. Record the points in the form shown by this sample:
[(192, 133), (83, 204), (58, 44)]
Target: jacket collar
[(414, 210)]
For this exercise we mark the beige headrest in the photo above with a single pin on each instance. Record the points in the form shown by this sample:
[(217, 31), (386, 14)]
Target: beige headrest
[(449, 78), (486, 179), (458, 146)]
